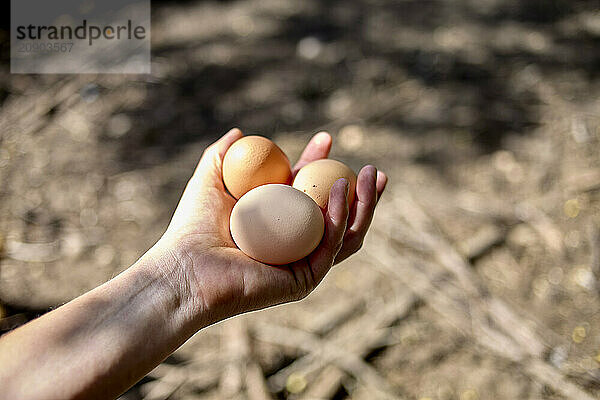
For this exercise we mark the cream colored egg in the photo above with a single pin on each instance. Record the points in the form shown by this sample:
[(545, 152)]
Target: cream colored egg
[(253, 161), (276, 224), (316, 179)]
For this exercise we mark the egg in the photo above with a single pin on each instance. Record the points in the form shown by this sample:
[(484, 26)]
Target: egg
[(316, 178), (253, 161), (276, 224)]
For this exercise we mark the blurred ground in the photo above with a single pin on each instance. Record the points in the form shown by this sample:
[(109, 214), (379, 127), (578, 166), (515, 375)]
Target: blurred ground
[(480, 277)]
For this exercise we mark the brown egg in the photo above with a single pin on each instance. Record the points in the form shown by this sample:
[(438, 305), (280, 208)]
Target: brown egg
[(276, 224), (316, 178), (253, 161)]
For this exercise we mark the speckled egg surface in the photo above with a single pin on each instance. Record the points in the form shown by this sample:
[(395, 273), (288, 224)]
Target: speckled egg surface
[(316, 179), (253, 161), (276, 224)]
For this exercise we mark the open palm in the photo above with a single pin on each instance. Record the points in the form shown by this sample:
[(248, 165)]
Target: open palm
[(225, 280)]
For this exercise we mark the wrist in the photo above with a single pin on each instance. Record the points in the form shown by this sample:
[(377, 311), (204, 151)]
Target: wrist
[(202, 278), (170, 269)]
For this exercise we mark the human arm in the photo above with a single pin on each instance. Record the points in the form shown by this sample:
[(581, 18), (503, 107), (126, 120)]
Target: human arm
[(99, 344)]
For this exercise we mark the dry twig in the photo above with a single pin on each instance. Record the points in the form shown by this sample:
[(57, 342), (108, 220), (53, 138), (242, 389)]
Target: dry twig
[(237, 345), (256, 386), (471, 309), (347, 361), (357, 337), (594, 235), (482, 241)]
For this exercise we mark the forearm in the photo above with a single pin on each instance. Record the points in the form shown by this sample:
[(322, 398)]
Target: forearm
[(101, 343)]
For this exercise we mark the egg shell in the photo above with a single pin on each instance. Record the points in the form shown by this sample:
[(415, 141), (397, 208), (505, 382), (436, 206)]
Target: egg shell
[(316, 179), (252, 161), (276, 224)]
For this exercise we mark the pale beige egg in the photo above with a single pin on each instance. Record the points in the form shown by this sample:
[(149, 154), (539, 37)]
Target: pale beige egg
[(316, 178), (276, 224), (253, 161)]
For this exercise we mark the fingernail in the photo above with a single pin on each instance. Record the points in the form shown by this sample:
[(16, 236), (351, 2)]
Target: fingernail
[(321, 137)]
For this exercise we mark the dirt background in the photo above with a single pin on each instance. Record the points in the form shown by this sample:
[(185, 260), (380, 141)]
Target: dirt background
[(479, 279)]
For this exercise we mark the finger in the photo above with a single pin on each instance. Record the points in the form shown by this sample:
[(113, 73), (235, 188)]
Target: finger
[(210, 165), (362, 212), (382, 180), (317, 148), (336, 218), (366, 198)]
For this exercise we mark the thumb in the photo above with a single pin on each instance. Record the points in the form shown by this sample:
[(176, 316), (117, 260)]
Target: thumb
[(210, 166), (207, 175)]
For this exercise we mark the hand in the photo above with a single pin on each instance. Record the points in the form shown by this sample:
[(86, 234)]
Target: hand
[(194, 276), (116, 333), (217, 278)]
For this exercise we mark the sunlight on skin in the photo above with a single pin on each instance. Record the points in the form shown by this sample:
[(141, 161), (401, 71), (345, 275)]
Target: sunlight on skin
[(246, 283), (98, 345)]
